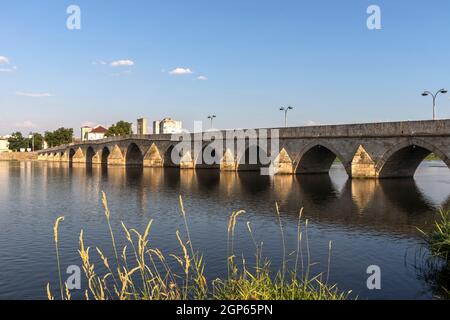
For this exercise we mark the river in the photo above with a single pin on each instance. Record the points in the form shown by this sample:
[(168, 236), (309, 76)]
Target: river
[(369, 222)]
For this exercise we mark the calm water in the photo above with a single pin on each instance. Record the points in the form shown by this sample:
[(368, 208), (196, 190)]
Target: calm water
[(370, 222)]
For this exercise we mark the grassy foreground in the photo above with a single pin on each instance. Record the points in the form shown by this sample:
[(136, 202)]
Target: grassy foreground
[(439, 239), (438, 265), (147, 275)]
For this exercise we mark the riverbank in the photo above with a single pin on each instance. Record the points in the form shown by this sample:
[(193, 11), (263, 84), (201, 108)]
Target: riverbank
[(18, 156)]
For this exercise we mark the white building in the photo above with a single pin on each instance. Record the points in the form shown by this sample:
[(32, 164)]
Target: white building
[(4, 144), (142, 126), (97, 133), (167, 125)]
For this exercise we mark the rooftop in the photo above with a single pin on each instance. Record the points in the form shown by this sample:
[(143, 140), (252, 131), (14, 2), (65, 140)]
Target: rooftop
[(99, 129)]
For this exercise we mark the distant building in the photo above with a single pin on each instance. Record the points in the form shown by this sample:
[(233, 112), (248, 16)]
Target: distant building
[(167, 125), (142, 126), (4, 144), (97, 133)]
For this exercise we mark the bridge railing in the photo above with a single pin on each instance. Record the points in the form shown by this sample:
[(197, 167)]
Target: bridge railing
[(381, 129), (108, 140)]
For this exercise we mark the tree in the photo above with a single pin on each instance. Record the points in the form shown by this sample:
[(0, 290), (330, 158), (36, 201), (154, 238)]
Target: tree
[(38, 141), (17, 142), (121, 128), (58, 137)]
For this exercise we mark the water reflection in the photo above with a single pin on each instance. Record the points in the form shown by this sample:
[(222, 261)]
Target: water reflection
[(339, 209), (380, 205)]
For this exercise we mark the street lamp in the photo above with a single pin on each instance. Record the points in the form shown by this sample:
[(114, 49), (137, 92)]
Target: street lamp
[(31, 136), (285, 113), (211, 117), (434, 96)]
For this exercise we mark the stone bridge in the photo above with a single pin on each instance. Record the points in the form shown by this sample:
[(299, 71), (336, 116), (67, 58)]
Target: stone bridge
[(371, 150)]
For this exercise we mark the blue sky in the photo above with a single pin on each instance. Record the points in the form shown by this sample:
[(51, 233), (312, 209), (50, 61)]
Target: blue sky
[(318, 56)]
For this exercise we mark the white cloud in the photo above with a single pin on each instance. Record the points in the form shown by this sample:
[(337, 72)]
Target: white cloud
[(27, 124), (33, 95), (202, 78), (181, 71), (122, 63), (4, 60), (9, 70)]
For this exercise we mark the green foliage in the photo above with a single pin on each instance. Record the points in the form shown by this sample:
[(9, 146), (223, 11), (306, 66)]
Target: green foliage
[(121, 128), (437, 268), (432, 157), (58, 137), (38, 141), (439, 238), (259, 285), (18, 141)]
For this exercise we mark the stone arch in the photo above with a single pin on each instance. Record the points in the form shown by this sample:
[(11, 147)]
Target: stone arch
[(57, 157), (134, 156), (208, 157), (362, 165), (251, 159), (90, 153), (79, 156), (317, 158), (105, 155), (228, 163), (283, 163), (71, 154), (153, 157), (187, 162), (403, 159), (116, 156), (168, 162), (181, 161)]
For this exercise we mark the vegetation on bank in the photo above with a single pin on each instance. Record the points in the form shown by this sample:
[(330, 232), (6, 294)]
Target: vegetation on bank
[(439, 239), (17, 141), (437, 268), (139, 271), (58, 137), (35, 140), (121, 128), (432, 157)]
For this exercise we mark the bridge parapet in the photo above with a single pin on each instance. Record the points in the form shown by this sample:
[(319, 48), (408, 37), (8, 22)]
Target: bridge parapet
[(390, 149)]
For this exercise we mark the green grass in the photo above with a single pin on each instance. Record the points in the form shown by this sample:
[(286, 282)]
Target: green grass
[(439, 238), (432, 157), (436, 271), (261, 286), (148, 275)]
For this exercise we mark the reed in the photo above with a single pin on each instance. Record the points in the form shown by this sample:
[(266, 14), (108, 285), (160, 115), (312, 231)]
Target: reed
[(149, 275), (55, 236), (439, 238)]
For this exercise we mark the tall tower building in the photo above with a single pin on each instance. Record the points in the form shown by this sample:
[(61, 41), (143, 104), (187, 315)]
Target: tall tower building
[(142, 126)]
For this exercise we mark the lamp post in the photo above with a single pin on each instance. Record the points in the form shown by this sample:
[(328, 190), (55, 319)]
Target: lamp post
[(434, 96), (31, 136), (211, 117), (285, 113)]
